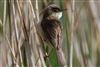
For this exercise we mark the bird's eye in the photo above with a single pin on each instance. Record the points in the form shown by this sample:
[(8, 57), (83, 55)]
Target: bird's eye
[(56, 9)]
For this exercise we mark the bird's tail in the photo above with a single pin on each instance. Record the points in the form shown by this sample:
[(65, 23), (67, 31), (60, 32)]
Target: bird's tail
[(61, 57)]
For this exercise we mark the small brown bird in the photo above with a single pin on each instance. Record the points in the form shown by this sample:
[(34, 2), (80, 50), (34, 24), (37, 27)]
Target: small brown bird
[(52, 30), (51, 25)]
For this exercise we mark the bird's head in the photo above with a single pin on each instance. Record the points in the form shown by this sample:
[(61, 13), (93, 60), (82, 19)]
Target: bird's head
[(53, 11)]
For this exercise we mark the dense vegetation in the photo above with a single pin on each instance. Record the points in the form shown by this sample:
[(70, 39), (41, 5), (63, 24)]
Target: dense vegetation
[(21, 43)]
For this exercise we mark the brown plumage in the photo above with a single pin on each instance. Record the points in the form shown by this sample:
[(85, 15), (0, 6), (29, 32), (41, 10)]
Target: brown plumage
[(51, 26), (52, 31)]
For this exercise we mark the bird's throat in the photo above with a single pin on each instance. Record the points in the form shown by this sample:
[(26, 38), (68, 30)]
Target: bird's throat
[(57, 15)]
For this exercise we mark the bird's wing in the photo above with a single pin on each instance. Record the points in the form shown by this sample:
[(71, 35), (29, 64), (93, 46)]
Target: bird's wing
[(53, 32)]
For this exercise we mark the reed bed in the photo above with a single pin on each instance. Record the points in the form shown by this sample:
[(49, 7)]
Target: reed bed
[(21, 43)]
